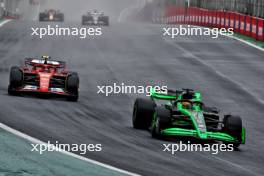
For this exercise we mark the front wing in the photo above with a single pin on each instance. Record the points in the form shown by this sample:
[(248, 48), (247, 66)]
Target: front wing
[(54, 18), (219, 136), (35, 89), (92, 21)]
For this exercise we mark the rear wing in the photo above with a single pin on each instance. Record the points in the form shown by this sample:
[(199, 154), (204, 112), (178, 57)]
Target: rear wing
[(165, 94), (33, 61), (175, 94)]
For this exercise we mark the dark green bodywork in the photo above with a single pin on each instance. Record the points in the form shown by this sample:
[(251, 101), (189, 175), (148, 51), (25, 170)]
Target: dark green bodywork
[(197, 119)]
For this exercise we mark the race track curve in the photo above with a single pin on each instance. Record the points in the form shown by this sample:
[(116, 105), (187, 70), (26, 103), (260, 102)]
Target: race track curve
[(228, 73)]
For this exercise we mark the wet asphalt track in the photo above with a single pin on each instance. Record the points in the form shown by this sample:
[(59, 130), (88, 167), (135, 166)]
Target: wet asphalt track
[(228, 73)]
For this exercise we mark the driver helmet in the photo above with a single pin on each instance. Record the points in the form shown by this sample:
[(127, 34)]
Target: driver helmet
[(46, 58), (186, 105)]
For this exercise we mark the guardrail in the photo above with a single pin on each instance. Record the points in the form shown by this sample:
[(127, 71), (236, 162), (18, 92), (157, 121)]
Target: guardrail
[(247, 7), (16, 9), (241, 23)]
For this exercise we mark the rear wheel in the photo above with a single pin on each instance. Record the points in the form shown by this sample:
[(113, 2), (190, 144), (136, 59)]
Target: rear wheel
[(162, 120), (62, 17), (83, 20), (12, 91), (40, 17), (143, 113), (72, 86), (233, 127), (90, 19), (15, 80), (106, 20)]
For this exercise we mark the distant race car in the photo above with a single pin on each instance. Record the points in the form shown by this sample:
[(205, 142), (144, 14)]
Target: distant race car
[(45, 77), (95, 18), (184, 114), (51, 15)]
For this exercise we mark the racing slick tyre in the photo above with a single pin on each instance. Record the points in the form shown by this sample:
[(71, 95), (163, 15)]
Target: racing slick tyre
[(142, 113), (61, 17), (15, 80), (233, 127), (83, 20), (106, 20), (11, 91), (87, 20), (41, 17), (162, 121), (72, 86)]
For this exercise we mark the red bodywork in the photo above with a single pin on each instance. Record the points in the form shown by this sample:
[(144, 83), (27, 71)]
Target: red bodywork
[(39, 77)]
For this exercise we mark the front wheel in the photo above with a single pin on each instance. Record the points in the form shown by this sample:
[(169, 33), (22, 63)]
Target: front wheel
[(12, 91), (161, 121), (142, 113), (15, 80), (41, 17), (233, 127), (72, 86), (83, 20), (74, 98), (106, 21), (61, 17)]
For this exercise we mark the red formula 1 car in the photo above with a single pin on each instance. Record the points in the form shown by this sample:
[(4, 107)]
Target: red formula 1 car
[(51, 15), (44, 76)]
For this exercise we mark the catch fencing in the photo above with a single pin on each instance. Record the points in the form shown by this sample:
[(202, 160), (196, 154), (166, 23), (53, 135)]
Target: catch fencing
[(241, 23), (247, 7), (18, 8)]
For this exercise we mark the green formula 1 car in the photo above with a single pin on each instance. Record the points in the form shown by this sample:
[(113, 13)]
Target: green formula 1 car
[(182, 113)]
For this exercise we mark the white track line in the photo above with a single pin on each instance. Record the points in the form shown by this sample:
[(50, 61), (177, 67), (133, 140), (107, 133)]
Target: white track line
[(246, 42), (243, 41), (235, 165), (37, 141), (197, 58), (216, 71), (4, 22), (238, 39)]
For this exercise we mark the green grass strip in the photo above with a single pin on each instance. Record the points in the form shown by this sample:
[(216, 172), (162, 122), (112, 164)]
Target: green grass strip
[(249, 39)]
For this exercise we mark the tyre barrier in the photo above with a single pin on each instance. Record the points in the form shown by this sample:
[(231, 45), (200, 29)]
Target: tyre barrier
[(241, 23)]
